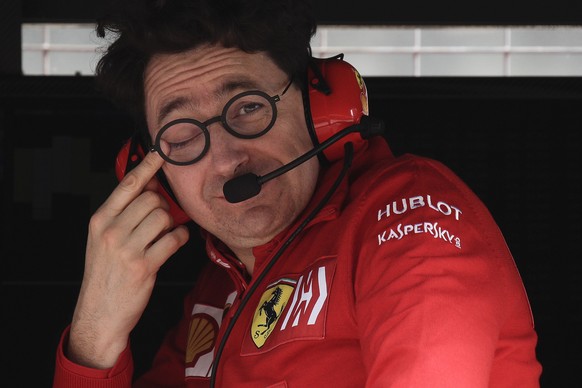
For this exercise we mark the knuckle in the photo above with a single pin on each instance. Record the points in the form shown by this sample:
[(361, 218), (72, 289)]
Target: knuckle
[(162, 217), (178, 237), (109, 236), (136, 270), (129, 182), (172, 242), (97, 220), (153, 199)]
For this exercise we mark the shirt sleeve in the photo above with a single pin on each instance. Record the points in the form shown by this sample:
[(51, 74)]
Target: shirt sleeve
[(439, 300), (68, 374)]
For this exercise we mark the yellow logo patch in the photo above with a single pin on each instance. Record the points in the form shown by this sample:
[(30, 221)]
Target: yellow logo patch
[(268, 311)]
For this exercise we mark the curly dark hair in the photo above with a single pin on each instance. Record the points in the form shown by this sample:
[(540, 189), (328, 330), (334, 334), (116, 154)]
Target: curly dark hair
[(143, 28)]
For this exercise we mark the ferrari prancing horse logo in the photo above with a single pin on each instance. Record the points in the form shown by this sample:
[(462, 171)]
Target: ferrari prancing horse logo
[(268, 311)]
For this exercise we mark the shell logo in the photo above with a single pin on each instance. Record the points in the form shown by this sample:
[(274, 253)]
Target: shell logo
[(201, 336)]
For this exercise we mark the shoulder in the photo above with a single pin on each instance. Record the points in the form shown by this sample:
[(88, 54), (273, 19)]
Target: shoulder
[(412, 201)]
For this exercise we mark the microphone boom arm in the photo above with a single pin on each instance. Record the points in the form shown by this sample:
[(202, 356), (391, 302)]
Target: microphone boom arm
[(308, 155), (248, 185)]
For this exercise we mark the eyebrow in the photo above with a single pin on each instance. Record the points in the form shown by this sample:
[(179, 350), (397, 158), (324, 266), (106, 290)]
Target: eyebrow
[(182, 101)]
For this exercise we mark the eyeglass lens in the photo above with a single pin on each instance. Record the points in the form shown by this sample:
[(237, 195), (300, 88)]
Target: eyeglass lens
[(248, 115)]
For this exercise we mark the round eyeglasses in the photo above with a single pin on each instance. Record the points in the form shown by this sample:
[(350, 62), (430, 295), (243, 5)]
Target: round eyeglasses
[(247, 115)]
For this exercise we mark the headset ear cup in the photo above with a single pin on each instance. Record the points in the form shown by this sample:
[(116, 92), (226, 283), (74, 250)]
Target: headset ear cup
[(340, 103), (129, 156)]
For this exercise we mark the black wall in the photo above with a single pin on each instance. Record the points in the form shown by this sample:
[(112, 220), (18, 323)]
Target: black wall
[(368, 11), (515, 141)]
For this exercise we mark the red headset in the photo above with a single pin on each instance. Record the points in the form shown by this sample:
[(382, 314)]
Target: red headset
[(336, 98)]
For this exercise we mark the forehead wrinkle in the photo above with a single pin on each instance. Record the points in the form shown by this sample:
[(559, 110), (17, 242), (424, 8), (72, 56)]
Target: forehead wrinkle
[(221, 61), (186, 100), (151, 75), (178, 94), (188, 72), (191, 68)]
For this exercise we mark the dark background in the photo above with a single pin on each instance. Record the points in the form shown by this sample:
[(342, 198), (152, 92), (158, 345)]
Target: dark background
[(516, 141)]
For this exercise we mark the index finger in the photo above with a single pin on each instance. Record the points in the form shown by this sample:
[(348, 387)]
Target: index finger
[(133, 184)]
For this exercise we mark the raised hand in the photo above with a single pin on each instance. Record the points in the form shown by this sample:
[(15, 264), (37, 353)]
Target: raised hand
[(130, 236)]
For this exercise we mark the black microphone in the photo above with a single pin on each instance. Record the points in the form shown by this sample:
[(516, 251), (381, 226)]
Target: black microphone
[(248, 185)]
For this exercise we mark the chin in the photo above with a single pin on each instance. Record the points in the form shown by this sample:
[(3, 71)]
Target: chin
[(262, 220), (246, 235), (259, 224)]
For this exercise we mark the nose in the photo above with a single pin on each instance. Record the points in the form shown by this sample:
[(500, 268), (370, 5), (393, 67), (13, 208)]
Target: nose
[(227, 153)]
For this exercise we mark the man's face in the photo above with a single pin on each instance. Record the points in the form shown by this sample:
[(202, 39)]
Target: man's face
[(197, 84)]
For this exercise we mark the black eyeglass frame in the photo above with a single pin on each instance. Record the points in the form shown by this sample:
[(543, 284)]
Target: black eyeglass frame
[(222, 119)]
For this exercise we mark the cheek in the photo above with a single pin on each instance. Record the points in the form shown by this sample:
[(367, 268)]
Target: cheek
[(303, 182), (184, 185), (292, 126), (301, 134), (291, 139)]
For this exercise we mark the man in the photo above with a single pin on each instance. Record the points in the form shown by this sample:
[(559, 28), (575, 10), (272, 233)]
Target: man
[(392, 275)]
